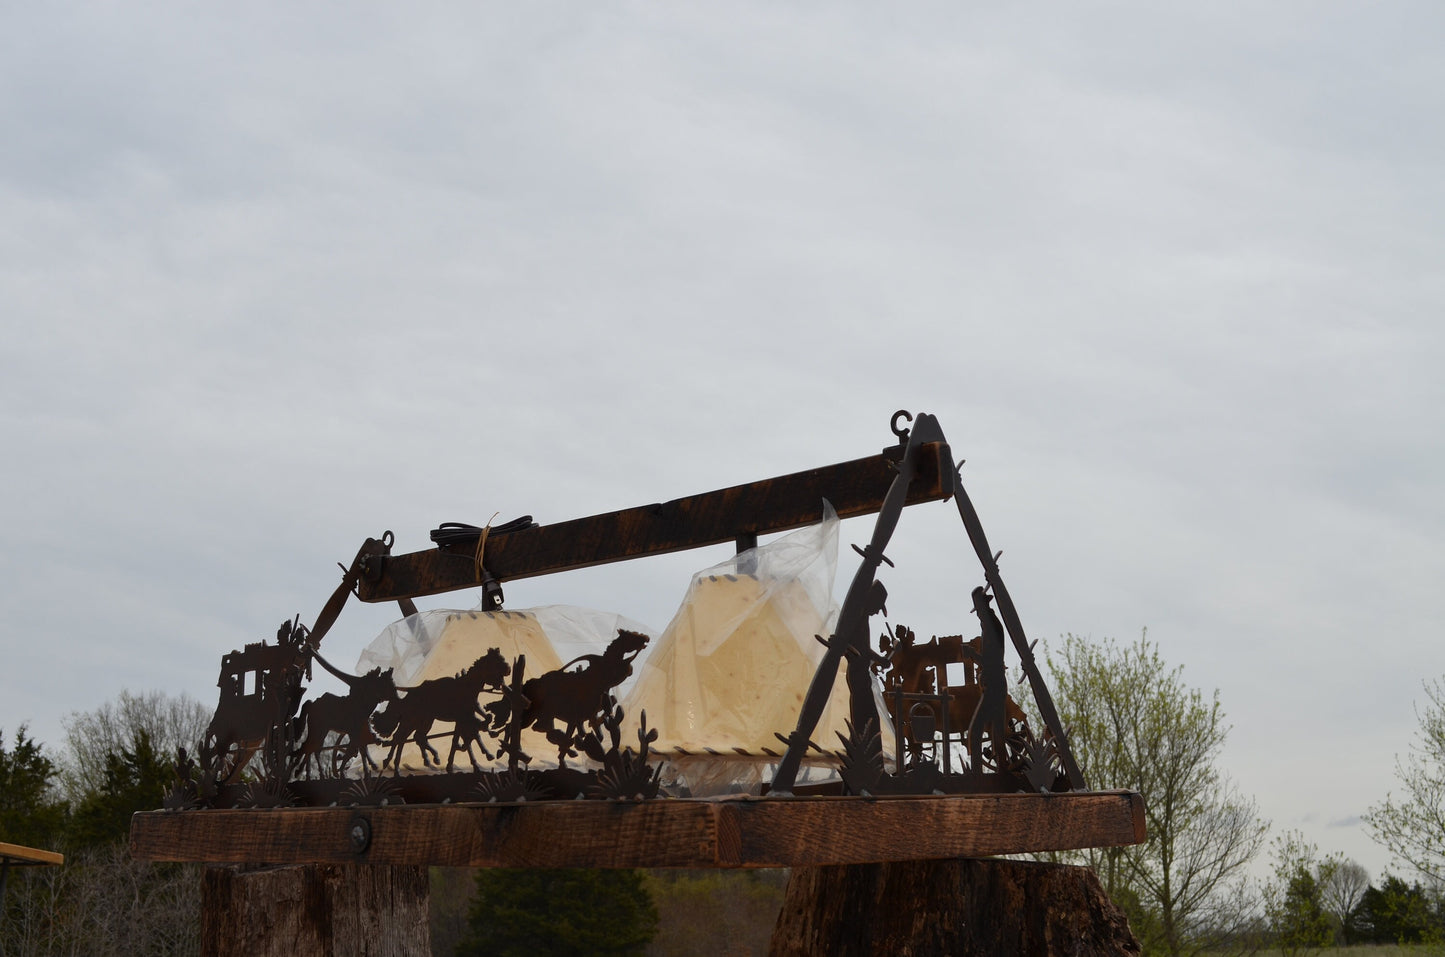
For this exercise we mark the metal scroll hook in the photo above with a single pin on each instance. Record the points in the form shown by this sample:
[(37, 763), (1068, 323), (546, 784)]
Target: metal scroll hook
[(893, 425)]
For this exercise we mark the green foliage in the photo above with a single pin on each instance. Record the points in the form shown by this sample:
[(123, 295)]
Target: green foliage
[(716, 912), (448, 902), (1306, 925), (540, 913), (1412, 826), (1397, 913), (30, 815), (133, 780), (1135, 723), (1294, 898)]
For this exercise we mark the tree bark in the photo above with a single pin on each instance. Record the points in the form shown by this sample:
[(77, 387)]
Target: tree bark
[(950, 909), (315, 910)]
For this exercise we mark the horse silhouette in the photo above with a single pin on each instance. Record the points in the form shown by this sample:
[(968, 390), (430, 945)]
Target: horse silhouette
[(579, 699), (451, 699), (347, 716)]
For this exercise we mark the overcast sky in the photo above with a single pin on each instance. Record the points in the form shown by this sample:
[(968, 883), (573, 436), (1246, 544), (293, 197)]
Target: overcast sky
[(277, 278)]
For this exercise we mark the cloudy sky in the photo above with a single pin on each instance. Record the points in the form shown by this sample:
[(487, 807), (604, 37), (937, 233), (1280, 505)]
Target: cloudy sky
[(275, 279)]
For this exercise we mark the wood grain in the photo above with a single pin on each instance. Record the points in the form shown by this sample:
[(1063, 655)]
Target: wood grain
[(771, 832), (328, 909), (18, 855), (772, 505), (854, 831), (957, 908)]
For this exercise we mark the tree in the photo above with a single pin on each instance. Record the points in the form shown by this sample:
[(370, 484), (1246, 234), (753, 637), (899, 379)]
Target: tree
[(729, 912), (1294, 897), (30, 816), (92, 737), (1396, 913), (30, 813), (1134, 723), (1413, 827), (101, 902), (540, 913), (1340, 894), (134, 780)]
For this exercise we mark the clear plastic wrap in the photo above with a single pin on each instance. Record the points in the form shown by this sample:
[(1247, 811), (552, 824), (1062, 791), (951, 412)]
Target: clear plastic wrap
[(732, 668)]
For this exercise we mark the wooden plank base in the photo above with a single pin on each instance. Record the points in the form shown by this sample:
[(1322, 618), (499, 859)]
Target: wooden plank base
[(769, 832), (950, 909)]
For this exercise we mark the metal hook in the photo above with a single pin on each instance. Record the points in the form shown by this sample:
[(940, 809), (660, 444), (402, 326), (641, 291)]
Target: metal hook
[(893, 425)]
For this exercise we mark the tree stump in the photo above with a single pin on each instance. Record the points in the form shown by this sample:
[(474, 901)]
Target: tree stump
[(949, 909), (315, 910)]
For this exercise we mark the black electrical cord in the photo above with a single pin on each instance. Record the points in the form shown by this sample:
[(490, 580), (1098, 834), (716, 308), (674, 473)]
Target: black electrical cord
[(459, 533)]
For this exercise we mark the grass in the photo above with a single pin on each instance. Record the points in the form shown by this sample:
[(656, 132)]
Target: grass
[(1372, 950)]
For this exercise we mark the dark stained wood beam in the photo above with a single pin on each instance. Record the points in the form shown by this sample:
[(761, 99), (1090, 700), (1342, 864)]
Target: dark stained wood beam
[(772, 832), (758, 508)]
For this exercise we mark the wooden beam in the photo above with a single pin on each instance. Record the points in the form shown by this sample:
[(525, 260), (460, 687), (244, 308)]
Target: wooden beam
[(758, 508), (770, 832), (18, 856), (859, 831)]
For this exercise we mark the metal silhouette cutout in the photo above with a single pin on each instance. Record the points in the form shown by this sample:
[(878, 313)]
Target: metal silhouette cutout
[(268, 746)]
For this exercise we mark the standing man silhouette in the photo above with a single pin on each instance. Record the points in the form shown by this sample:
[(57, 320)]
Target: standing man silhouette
[(991, 712)]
